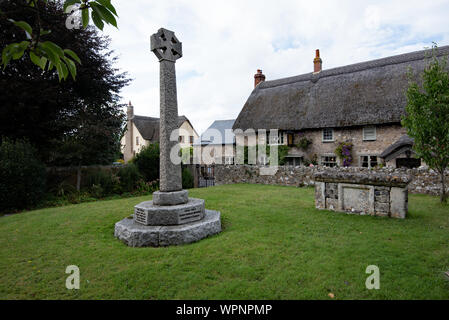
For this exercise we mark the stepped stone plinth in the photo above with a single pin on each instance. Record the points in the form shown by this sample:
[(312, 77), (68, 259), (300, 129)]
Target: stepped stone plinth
[(171, 218)]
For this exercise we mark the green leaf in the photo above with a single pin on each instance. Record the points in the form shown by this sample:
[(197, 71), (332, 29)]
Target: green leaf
[(104, 14), (53, 47), (97, 20), (65, 71), (73, 55), (18, 49), (68, 3), (59, 71), (25, 26), (6, 57), (51, 55), (72, 67), (85, 17), (39, 61), (108, 5), (45, 32)]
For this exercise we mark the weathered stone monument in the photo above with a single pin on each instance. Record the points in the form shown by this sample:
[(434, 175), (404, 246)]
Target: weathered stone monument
[(364, 193), (171, 218)]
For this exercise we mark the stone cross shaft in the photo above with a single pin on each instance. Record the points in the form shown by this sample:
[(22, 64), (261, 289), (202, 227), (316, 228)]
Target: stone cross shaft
[(168, 49)]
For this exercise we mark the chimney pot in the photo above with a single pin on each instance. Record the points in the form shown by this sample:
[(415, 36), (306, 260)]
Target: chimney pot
[(317, 62), (258, 77), (130, 110)]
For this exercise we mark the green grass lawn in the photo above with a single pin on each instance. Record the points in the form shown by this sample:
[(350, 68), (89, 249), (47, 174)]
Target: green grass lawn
[(274, 245)]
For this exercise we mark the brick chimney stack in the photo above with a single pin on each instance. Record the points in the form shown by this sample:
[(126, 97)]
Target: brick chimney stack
[(317, 62), (258, 77)]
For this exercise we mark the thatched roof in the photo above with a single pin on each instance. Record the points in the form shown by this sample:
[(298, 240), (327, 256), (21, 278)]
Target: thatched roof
[(402, 145), (149, 127), (366, 93)]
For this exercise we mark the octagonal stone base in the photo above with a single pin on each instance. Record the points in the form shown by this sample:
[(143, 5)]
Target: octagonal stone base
[(138, 235), (149, 214)]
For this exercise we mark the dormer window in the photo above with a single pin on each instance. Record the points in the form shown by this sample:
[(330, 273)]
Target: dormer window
[(328, 135), (369, 134)]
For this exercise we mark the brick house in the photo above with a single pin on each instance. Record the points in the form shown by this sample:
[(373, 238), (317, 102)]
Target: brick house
[(141, 131), (361, 103)]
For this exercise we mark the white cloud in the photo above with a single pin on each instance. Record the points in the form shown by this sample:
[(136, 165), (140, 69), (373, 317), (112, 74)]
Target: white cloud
[(224, 42)]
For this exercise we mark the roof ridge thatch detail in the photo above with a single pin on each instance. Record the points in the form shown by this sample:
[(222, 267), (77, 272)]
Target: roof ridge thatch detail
[(356, 67), (366, 93)]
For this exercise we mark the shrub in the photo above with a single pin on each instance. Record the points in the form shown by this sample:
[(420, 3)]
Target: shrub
[(187, 179), (102, 183), (147, 161), (304, 143), (129, 176), (22, 175)]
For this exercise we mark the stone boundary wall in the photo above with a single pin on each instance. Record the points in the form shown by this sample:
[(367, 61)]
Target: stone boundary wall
[(425, 181)]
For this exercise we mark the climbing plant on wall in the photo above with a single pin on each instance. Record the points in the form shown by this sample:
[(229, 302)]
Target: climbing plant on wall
[(344, 152)]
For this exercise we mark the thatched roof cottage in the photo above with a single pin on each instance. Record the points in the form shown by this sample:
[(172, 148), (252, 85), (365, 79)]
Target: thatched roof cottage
[(360, 103)]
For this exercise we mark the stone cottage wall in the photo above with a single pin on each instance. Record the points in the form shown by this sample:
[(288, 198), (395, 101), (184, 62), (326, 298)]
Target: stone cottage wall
[(425, 181)]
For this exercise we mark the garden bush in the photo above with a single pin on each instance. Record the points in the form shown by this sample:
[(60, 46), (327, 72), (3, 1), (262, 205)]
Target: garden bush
[(147, 161), (187, 179), (22, 175), (129, 176), (101, 183)]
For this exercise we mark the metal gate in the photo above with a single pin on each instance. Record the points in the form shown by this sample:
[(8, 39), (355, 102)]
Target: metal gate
[(206, 176), (205, 182)]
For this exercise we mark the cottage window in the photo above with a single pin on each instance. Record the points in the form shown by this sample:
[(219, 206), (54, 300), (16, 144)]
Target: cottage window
[(229, 160), (369, 161), (294, 161), (328, 135), (191, 139), (181, 139), (369, 134), (274, 139), (137, 141), (329, 161), (263, 160)]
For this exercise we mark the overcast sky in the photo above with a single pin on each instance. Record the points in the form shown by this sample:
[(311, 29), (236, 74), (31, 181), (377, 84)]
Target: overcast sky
[(225, 42)]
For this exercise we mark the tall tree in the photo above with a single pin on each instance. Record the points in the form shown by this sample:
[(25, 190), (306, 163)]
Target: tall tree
[(427, 117), (70, 122)]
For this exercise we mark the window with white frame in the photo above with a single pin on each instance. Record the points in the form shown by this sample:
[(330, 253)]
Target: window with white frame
[(263, 160), (368, 161), (229, 160), (329, 161), (328, 135), (369, 134), (274, 139), (137, 141)]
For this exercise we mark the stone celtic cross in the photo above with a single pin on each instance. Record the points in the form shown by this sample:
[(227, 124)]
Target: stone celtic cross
[(168, 49)]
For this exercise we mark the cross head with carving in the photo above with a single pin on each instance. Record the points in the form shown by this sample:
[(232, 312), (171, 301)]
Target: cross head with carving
[(166, 46)]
